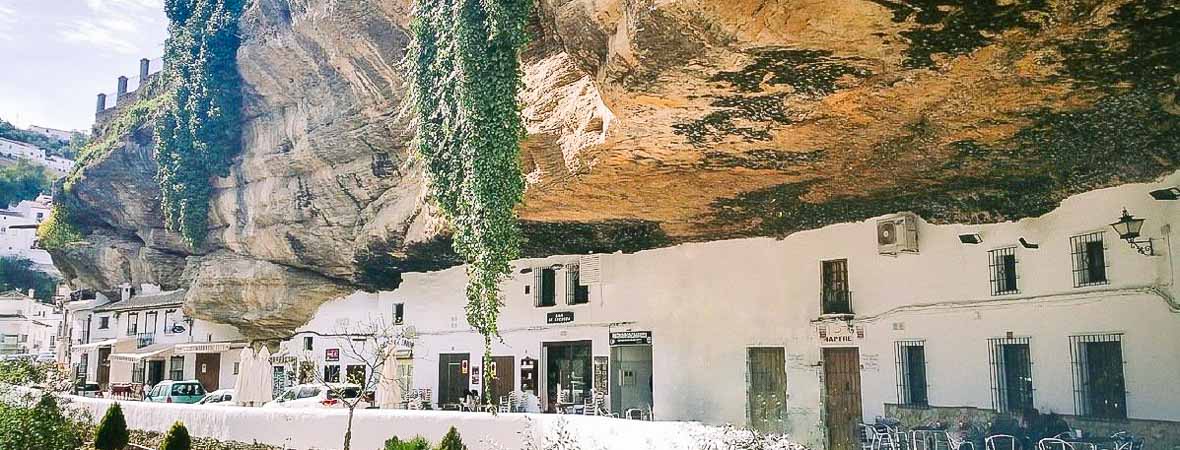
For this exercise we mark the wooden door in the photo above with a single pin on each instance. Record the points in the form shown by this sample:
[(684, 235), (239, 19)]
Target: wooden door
[(104, 366), (452, 377), (842, 395), (503, 378), (767, 389), (209, 370)]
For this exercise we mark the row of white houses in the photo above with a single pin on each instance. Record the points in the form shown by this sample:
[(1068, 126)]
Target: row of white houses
[(811, 334)]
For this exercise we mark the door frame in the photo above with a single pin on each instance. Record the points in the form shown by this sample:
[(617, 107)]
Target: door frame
[(543, 373), (749, 407), (214, 375), (827, 395), (465, 378)]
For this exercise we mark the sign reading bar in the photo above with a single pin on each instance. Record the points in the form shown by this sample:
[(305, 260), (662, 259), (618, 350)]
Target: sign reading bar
[(631, 338), (559, 317)]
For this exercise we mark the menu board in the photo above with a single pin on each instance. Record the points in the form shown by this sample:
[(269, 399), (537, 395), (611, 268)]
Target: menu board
[(601, 374)]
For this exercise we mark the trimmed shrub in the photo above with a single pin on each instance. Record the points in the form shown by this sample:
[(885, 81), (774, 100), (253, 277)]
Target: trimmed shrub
[(177, 438), (452, 441), (42, 426), (111, 433), (417, 443)]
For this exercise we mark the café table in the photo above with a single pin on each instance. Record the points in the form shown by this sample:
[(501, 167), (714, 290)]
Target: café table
[(1092, 443)]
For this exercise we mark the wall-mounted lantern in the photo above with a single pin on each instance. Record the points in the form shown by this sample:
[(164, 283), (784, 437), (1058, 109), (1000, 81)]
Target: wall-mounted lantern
[(1128, 228)]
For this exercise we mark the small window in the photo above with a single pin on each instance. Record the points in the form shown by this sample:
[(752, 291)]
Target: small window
[(132, 323), (835, 294), (1089, 259), (399, 313), (176, 368), (237, 367), (104, 323), (576, 293), (1099, 387), (546, 293), (308, 343), (332, 374), (1012, 383), (911, 373), (1002, 266)]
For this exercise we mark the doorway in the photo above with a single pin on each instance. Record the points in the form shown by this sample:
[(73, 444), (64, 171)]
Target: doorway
[(768, 388), (209, 370), (104, 367), (630, 378), (503, 378), (155, 372), (843, 403), (568, 373), (452, 378)]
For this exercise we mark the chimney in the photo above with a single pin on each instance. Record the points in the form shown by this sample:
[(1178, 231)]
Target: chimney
[(32, 292), (126, 292), (122, 88), (144, 65), (102, 103)]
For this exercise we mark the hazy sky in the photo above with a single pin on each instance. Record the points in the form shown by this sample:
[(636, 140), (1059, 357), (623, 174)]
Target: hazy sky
[(57, 55)]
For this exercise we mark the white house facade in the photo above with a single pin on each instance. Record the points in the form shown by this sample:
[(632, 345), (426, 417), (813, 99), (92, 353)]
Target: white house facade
[(14, 150), (28, 328), (18, 231), (816, 332)]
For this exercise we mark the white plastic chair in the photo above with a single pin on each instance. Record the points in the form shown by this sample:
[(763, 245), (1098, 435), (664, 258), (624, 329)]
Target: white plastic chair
[(868, 437), (1000, 442), (885, 438), (1054, 444)]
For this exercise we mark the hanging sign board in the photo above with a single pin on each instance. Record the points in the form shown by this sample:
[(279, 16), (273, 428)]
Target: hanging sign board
[(332, 354), (559, 317), (630, 338), (839, 334)]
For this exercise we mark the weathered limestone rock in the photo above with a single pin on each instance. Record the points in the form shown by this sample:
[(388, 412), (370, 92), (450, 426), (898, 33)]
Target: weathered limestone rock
[(657, 122)]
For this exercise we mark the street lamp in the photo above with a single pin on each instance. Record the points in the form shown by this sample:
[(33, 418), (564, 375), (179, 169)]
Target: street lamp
[(1128, 228)]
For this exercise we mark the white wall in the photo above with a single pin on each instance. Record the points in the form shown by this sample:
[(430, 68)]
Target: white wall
[(707, 302)]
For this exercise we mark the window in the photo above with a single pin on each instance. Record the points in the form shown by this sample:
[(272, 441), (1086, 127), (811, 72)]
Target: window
[(546, 281), (132, 323), (575, 292), (24, 338), (1002, 268), (1099, 387), (149, 322), (104, 323), (1012, 386), (308, 343), (237, 367), (170, 321), (137, 373), (836, 297), (355, 374), (332, 374), (399, 313), (911, 373), (1089, 259), (176, 368)]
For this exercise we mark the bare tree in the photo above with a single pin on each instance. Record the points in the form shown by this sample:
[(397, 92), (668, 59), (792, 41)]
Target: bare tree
[(370, 344)]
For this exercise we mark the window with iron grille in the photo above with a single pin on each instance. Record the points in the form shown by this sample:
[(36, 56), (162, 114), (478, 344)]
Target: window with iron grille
[(575, 292), (834, 280), (132, 323), (1012, 384), (176, 368), (546, 290), (1002, 268), (332, 374), (1098, 384), (83, 366), (911, 372), (137, 372), (1088, 253)]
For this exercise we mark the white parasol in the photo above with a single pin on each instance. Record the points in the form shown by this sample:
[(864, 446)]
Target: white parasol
[(389, 389), (245, 374), (264, 386)]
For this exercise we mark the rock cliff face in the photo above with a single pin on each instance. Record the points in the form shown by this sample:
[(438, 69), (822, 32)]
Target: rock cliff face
[(651, 123)]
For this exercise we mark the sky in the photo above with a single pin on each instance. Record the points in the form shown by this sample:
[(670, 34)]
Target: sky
[(57, 55)]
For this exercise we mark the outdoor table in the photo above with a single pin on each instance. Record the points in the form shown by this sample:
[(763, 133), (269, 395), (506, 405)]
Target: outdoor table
[(1093, 443)]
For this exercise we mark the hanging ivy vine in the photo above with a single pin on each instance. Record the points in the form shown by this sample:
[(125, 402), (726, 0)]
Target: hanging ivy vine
[(200, 132), (465, 75)]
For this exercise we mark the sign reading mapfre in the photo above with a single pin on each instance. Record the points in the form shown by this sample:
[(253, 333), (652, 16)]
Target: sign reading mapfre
[(630, 338)]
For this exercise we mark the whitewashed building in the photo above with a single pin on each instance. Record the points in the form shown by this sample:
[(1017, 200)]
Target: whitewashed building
[(18, 232), (53, 133), (28, 327), (814, 333), (14, 150), (145, 338)]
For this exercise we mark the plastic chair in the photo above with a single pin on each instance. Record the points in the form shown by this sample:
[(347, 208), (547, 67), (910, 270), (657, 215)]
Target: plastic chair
[(1000, 442), (868, 437), (886, 438), (1054, 444)]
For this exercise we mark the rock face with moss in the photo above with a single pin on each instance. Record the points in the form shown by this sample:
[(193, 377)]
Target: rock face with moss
[(653, 123)]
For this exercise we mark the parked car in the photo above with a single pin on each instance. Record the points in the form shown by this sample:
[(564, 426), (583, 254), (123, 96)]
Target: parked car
[(169, 391), (318, 396), (220, 396), (88, 390)]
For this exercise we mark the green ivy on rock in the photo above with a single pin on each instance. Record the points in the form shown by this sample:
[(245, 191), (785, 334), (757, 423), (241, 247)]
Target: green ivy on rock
[(465, 74), (200, 131)]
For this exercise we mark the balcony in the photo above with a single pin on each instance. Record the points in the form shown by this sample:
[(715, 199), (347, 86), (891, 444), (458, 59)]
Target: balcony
[(144, 339), (837, 301)]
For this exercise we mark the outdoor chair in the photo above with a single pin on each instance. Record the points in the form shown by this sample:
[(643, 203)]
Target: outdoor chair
[(885, 438), (1054, 444), (1000, 442), (868, 436), (958, 441)]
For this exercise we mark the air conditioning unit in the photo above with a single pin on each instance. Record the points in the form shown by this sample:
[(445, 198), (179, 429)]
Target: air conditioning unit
[(897, 234)]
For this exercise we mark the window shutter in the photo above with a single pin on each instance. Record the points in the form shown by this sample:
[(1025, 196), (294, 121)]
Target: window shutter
[(537, 286), (589, 269)]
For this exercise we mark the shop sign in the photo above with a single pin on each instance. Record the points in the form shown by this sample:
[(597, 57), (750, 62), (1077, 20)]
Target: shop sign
[(630, 338), (332, 354), (475, 375), (559, 317), (839, 334)]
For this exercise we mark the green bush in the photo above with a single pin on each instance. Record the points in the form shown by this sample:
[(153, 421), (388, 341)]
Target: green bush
[(58, 230), (177, 438), (111, 433), (417, 443), (42, 426), (452, 441)]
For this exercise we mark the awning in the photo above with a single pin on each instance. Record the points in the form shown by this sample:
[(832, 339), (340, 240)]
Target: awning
[(146, 352), (208, 347), (93, 345)]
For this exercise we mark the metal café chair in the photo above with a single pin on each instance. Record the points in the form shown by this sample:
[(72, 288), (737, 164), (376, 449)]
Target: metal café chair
[(868, 437), (1054, 444), (1000, 442)]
